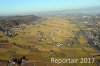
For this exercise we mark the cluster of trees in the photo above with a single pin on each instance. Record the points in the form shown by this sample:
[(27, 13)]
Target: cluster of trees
[(6, 30)]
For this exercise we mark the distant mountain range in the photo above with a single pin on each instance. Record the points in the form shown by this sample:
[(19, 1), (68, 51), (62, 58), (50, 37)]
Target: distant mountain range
[(85, 10), (91, 10)]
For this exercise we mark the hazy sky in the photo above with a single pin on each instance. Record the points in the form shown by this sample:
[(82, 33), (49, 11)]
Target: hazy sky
[(31, 6)]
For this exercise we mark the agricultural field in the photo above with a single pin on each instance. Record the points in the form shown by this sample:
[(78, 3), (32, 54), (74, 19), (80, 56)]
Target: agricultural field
[(54, 37)]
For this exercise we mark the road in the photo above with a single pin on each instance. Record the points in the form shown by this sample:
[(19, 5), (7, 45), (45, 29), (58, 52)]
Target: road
[(90, 41)]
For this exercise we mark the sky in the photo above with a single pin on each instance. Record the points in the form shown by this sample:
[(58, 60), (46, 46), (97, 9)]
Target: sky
[(11, 7)]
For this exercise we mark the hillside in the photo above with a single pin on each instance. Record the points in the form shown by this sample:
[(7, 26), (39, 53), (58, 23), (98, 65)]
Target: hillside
[(16, 20)]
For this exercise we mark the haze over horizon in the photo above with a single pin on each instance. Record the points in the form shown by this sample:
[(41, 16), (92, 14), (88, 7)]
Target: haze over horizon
[(17, 7)]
